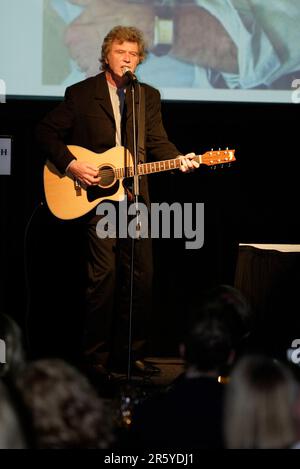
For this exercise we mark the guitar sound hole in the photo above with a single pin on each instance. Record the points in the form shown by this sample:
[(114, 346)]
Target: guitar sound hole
[(107, 176)]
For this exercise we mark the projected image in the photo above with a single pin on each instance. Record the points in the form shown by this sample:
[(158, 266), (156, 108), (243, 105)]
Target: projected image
[(198, 49), (56, 60)]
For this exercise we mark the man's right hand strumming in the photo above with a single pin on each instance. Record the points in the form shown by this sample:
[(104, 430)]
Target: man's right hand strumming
[(84, 172)]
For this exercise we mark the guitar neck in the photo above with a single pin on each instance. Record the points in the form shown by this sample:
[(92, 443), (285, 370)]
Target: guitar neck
[(158, 166), (209, 158), (153, 167)]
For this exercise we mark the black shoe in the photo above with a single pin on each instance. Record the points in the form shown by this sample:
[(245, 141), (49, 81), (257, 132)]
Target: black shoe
[(97, 371), (145, 368), (138, 367)]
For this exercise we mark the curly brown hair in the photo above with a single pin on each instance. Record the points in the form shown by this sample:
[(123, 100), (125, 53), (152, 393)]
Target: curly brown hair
[(122, 34), (63, 408)]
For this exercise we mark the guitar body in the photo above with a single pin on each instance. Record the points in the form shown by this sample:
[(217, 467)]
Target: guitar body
[(67, 199)]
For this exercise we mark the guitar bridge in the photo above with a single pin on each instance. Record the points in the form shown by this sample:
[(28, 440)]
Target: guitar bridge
[(77, 187)]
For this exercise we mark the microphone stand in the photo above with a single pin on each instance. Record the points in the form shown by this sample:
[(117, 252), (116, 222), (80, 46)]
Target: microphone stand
[(136, 191)]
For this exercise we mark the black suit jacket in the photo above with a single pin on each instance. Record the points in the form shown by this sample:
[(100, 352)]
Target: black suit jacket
[(86, 118)]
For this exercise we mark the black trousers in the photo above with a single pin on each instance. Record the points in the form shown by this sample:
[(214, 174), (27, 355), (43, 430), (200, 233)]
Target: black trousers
[(108, 294)]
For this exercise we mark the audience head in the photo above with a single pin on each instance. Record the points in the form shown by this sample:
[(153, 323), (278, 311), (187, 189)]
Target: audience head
[(11, 429), (13, 349), (208, 345), (258, 405), (65, 410), (228, 302), (221, 320), (296, 416)]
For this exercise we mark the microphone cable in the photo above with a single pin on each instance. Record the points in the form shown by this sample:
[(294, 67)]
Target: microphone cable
[(27, 274)]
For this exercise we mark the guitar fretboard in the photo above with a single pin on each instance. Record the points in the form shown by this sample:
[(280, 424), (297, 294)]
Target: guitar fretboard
[(153, 167)]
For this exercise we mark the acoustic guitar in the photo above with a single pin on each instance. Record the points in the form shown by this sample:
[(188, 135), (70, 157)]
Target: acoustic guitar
[(67, 198)]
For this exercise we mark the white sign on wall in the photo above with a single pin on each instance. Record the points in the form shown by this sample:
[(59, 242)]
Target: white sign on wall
[(5, 155)]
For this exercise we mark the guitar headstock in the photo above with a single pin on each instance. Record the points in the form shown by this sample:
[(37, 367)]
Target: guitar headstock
[(214, 157)]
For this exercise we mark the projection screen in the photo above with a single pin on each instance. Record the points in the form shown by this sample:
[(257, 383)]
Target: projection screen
[(227, 50)]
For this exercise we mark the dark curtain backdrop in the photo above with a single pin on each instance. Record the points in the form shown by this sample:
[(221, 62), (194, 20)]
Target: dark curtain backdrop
[(256, 200)]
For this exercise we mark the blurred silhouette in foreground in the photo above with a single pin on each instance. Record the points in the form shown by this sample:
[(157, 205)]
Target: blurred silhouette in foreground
[(11, 334), (258, 405), (11, 430), (65, 410), (190, 413)]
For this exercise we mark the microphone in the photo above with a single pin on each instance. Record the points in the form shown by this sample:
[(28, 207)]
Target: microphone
[(128, 73)]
